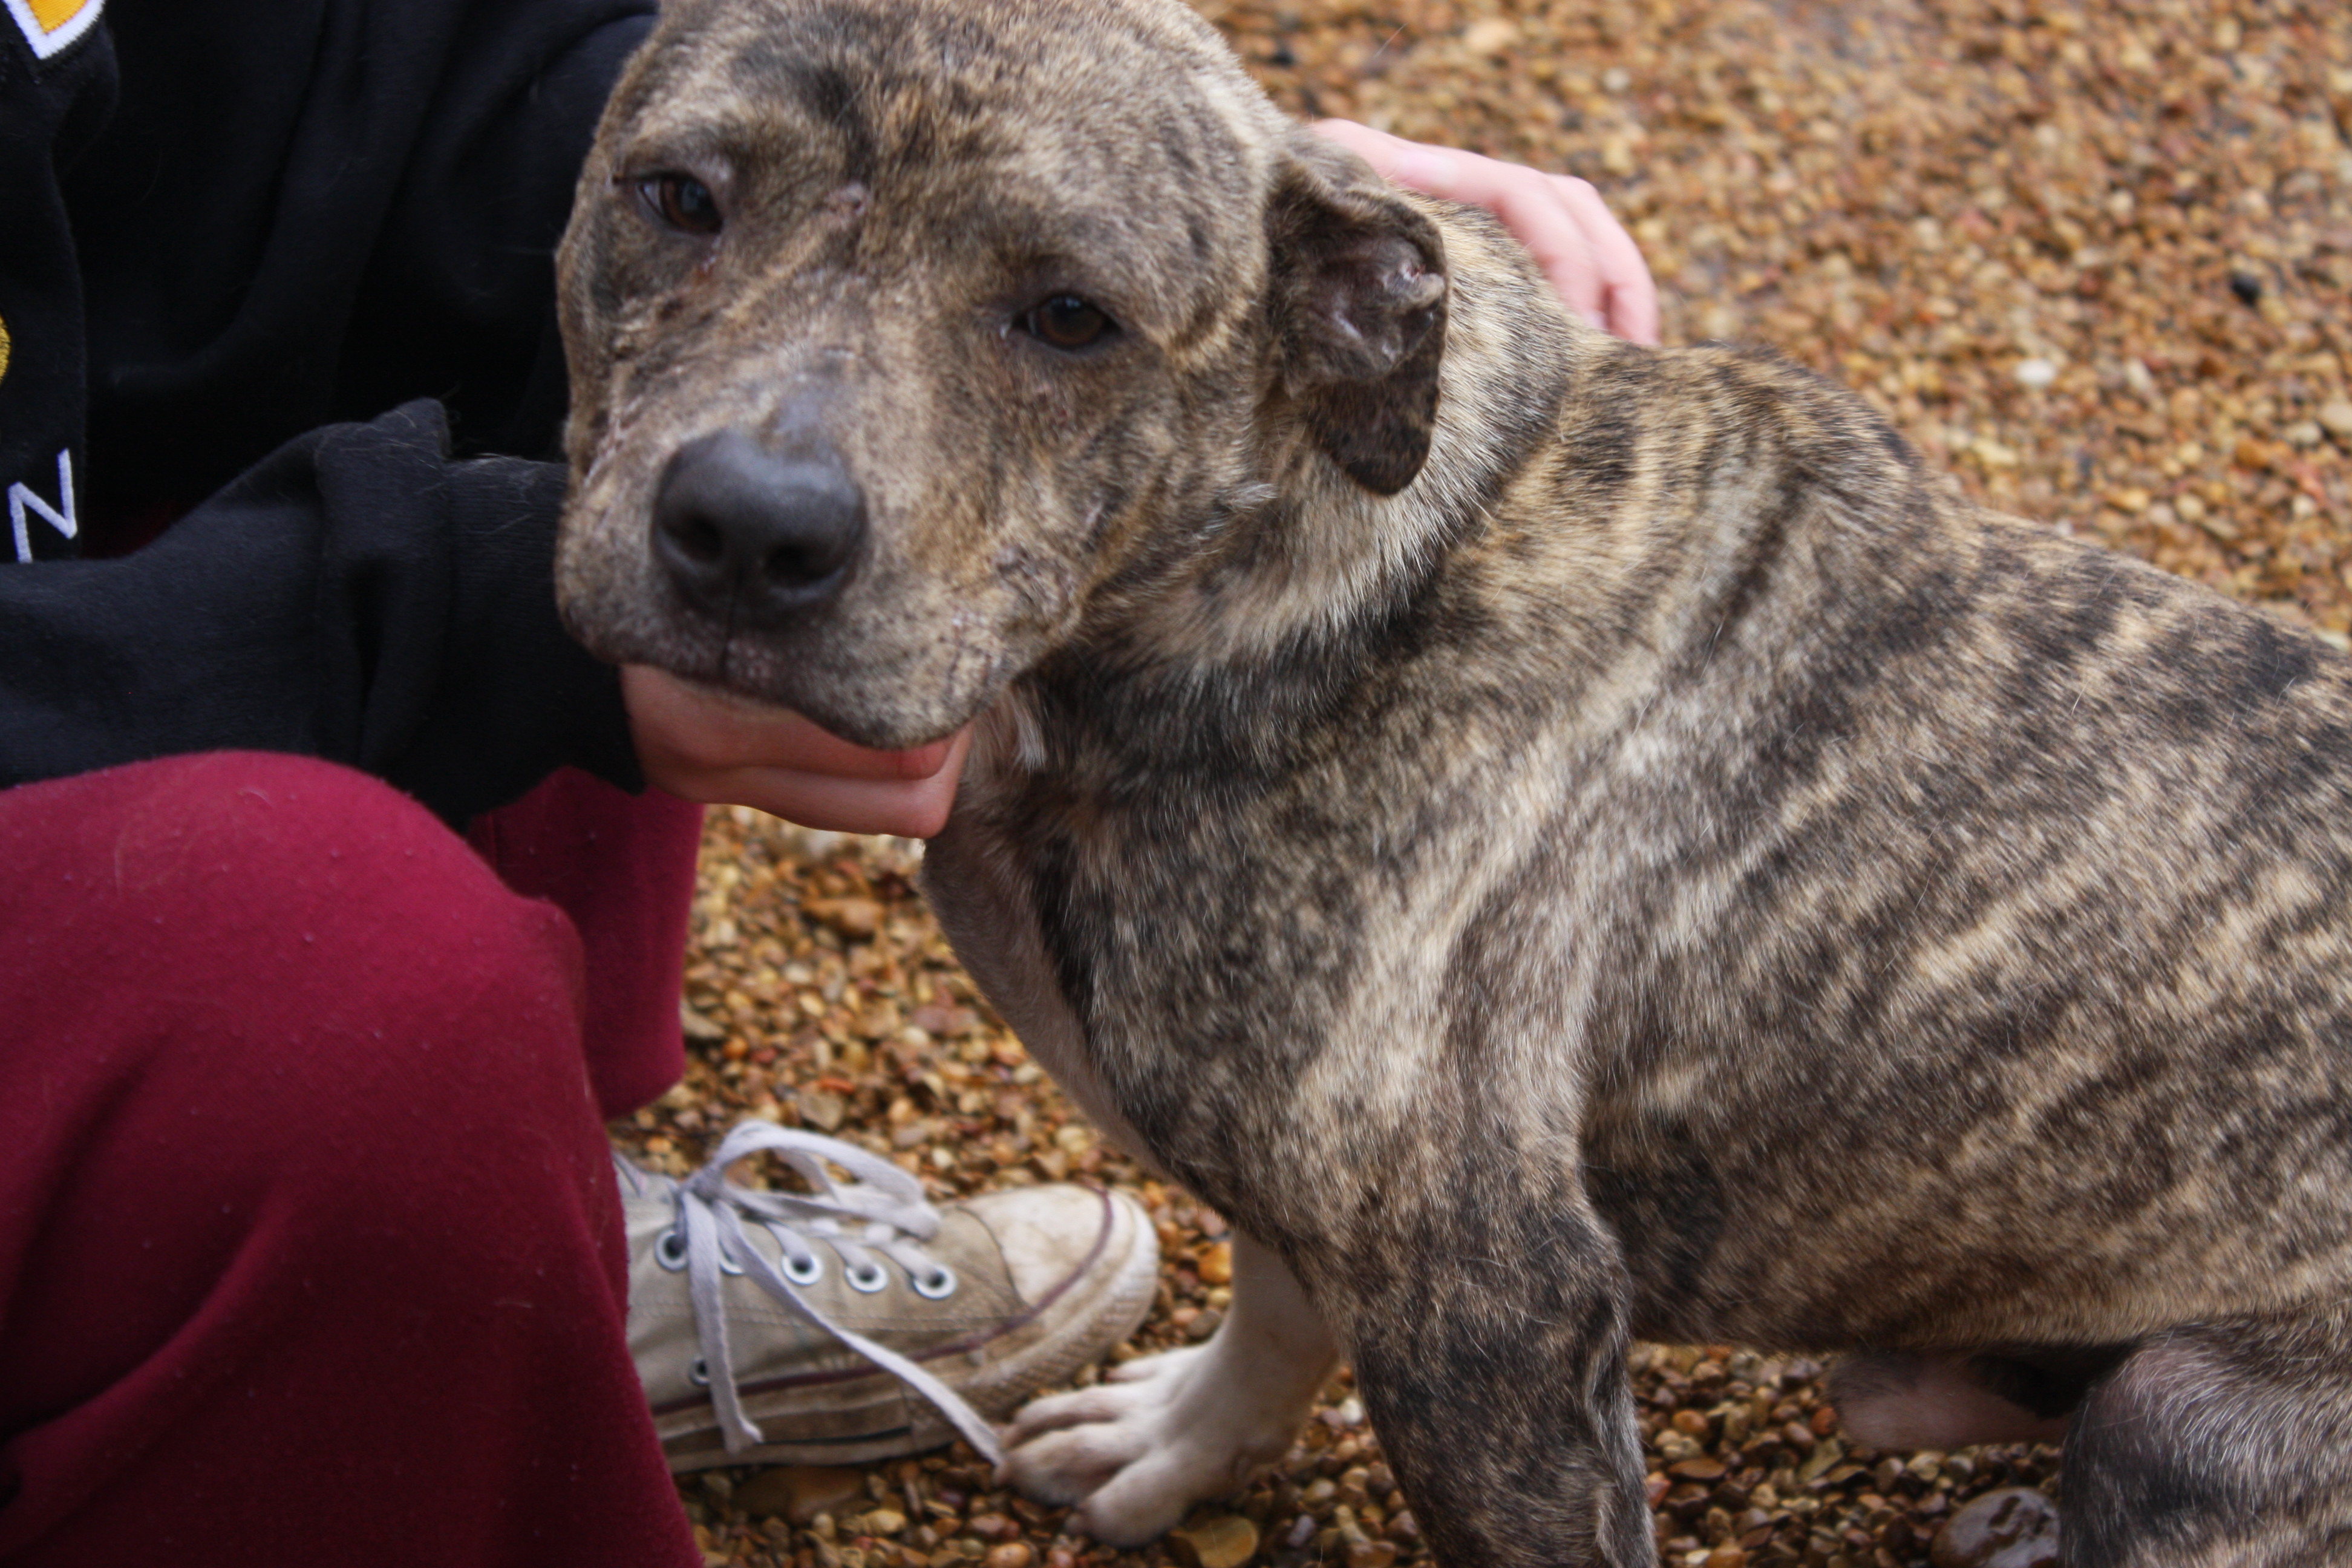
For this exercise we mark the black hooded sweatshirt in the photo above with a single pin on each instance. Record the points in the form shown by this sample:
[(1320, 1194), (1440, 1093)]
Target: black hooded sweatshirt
[(283, 272)]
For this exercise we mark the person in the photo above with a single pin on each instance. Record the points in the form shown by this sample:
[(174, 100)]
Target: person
[(345, 896)]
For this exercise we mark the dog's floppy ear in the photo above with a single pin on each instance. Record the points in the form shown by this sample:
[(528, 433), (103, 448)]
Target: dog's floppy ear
[(1359, 297)]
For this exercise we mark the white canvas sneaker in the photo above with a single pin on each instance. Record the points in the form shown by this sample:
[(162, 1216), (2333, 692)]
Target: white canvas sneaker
[(856, 1322)]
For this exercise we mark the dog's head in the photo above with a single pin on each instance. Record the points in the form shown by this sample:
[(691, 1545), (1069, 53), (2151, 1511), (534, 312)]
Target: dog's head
[(899, 328)]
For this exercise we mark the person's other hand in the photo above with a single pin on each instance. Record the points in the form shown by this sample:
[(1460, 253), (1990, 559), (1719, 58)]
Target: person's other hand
[(1561, 220), (707, 748)]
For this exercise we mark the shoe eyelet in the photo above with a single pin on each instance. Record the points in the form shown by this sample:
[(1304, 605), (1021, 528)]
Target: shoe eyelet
[(670, 1250), (869, 1279), (698, 1374), (728, 1265), (806, 1270), (937, 1286)]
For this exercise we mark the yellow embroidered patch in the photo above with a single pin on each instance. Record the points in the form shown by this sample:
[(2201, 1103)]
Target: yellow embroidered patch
[(3, 348), (50, 25)]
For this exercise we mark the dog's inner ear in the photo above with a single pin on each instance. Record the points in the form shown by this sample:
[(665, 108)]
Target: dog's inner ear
[(1359, 292)]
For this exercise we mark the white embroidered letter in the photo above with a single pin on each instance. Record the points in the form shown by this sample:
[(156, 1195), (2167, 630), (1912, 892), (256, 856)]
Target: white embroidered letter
[(21, 496)]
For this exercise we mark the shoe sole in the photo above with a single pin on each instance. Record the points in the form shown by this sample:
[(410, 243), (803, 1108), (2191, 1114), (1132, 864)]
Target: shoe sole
[(870, 1415)]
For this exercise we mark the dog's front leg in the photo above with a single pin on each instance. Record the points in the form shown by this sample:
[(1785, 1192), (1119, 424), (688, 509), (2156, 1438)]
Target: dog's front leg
[(1164, 1432), (1493, 1362)]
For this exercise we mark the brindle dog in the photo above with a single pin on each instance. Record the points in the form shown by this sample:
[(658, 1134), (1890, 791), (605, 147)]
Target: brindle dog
[(1559, 841)]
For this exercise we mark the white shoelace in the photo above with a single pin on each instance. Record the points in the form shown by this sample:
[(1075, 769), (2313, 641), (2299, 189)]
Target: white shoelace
[(880, 1210)]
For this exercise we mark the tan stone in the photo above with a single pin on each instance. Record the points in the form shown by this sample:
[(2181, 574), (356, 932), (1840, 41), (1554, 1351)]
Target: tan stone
[(1217, 1541), (801, 1492)]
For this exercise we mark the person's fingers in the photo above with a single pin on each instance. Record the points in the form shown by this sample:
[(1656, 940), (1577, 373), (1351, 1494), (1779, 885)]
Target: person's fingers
[(705, 747), (1632, 294), (712, 732), (910, 809), (1374, 147), (1528, 203), (1591, 260)]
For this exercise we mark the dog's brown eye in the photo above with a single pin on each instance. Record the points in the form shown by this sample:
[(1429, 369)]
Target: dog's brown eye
[(684, 203), (1067, 321)]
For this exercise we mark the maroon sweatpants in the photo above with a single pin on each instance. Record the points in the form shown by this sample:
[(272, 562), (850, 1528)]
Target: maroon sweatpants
[(310, 1244)]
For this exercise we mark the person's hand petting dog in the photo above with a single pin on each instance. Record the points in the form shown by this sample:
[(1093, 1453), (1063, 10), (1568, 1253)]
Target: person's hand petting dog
[(707, 748), (1566, 226)]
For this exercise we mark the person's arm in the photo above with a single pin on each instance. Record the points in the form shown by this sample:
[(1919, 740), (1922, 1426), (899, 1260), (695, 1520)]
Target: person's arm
[(358, 595)]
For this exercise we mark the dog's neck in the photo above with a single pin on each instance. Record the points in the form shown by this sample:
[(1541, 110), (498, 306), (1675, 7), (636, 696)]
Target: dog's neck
[(1292, 577)]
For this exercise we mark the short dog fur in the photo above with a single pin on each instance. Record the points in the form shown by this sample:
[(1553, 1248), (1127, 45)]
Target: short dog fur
[(1559, 841)]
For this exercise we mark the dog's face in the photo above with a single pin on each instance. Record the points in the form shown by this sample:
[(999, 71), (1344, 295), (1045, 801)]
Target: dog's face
[(895, 325)]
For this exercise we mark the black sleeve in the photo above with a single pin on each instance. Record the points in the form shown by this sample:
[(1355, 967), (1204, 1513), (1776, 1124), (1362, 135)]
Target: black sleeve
[(359, 595), (299, 216), (315, 210), (458, 301)]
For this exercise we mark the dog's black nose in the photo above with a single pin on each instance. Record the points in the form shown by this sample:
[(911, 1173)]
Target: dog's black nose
[(749, 535)]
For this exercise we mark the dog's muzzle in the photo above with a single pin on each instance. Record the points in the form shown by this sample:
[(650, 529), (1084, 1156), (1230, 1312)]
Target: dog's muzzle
[(752, 537)]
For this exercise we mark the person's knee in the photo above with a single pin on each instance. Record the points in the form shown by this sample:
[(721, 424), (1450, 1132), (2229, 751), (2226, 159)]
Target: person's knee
[(269, 965), (347, 951), (263, 838), (265, 894), (293, 1016)]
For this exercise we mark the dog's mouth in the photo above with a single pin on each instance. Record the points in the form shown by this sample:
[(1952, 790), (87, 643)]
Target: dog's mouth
[(887, 708), (890, 663), (791, 559)]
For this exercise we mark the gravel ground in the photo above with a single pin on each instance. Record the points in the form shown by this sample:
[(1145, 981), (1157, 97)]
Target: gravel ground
[(2095, 259)]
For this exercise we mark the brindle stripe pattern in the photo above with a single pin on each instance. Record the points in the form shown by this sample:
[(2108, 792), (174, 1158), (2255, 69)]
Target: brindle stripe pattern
[(1676, 869)]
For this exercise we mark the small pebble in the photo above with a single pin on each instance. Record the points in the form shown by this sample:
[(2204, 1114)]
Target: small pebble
[(1012, 1554), (2015, 1527), (801, 1492), (1490, 35), (2336, 418), (1220, 1540), (2036, 373), (854, 918)]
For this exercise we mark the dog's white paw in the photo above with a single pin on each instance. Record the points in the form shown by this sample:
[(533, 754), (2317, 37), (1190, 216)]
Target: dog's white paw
[(1163, 1433)]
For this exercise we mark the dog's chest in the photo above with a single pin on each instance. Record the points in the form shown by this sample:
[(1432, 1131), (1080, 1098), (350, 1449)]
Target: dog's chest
[(1267, 970), (980, 893)]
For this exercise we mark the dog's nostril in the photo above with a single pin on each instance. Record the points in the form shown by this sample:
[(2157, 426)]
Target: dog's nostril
[(700, 540), (743, 531), (793, 567)]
